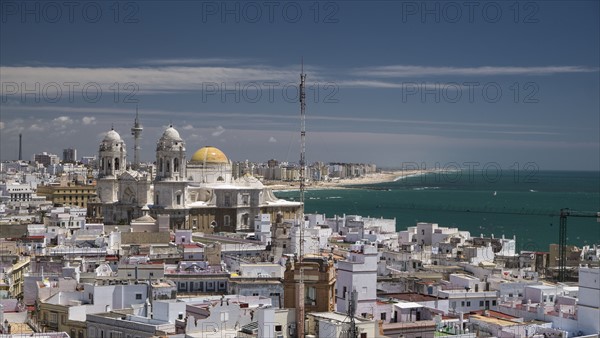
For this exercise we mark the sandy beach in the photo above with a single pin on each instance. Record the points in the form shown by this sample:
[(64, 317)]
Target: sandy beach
[(347, 183)]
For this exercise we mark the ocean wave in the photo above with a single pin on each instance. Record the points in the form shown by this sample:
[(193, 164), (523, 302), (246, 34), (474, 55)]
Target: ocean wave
[(402, 177), (425, 188)]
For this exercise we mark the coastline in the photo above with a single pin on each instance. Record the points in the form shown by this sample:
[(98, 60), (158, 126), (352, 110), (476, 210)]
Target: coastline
[(348, 183)]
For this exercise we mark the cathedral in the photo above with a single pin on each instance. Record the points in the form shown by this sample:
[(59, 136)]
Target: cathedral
[(199, 194)]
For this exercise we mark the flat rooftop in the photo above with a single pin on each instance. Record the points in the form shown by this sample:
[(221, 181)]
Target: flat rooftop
[(408, 297)]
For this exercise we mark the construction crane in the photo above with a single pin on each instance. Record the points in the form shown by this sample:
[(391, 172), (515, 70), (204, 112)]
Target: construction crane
[(562, 231), (562, 238)]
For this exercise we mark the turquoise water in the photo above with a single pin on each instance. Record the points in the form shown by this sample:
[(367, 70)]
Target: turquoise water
[(526, 206)]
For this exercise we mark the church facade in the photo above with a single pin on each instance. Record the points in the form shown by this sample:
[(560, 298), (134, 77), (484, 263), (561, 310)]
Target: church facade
[(199, 194)]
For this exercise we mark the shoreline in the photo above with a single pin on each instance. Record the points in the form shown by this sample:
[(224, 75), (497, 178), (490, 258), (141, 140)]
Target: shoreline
[(349, 183)]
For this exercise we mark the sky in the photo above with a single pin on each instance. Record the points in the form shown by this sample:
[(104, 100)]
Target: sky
[(396, 83)]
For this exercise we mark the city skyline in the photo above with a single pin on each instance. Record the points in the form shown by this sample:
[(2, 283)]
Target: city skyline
[(391, 83)]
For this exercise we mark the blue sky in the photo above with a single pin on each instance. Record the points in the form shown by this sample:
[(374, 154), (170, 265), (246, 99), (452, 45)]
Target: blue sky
[(389, 82)]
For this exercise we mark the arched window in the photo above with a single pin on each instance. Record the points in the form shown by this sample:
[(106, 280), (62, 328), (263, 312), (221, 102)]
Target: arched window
[(245, 219), (168, 169), (116, 163), (160, 165), (175, 164)]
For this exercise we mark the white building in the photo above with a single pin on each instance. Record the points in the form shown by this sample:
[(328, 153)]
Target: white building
[(588, 307), (358, 272)]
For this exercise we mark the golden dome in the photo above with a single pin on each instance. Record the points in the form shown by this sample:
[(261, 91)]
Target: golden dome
[(209, 155)]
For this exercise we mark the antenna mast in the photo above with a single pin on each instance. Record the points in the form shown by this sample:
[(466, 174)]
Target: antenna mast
[(300, 303), (136, 131)]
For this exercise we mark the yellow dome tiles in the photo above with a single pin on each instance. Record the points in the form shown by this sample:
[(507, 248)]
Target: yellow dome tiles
[(209, 155)]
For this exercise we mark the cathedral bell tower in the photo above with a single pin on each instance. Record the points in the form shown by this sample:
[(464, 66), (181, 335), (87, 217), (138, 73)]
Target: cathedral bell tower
[(111, 155), (170, 157), (111, 164)]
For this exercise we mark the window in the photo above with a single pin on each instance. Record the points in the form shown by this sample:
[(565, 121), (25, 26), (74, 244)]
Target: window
[(311, 296), (245, 199), (138, 296), (468, 303), (151, 274), (364, 315), (493, 303), (178, 199), (383, 316), (52, 318), (227, 220), (462, 303), (175, 164), (344, 292), (480, 303), (278, 328), (364, 335), (227, 200)]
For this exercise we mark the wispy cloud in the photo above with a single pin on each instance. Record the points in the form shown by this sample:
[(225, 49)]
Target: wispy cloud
[(176, 75), (402, 71), (146, 79), (63, 120), (220, 130), (88, 120), (193, 61)]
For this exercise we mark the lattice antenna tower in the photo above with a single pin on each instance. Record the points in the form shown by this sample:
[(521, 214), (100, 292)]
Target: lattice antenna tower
[(300, 303)]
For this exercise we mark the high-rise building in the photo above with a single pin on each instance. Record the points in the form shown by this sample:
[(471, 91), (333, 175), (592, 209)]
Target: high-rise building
[(69, 155)]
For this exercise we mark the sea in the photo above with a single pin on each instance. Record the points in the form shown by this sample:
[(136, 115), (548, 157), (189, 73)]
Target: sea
[(483, 203)]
